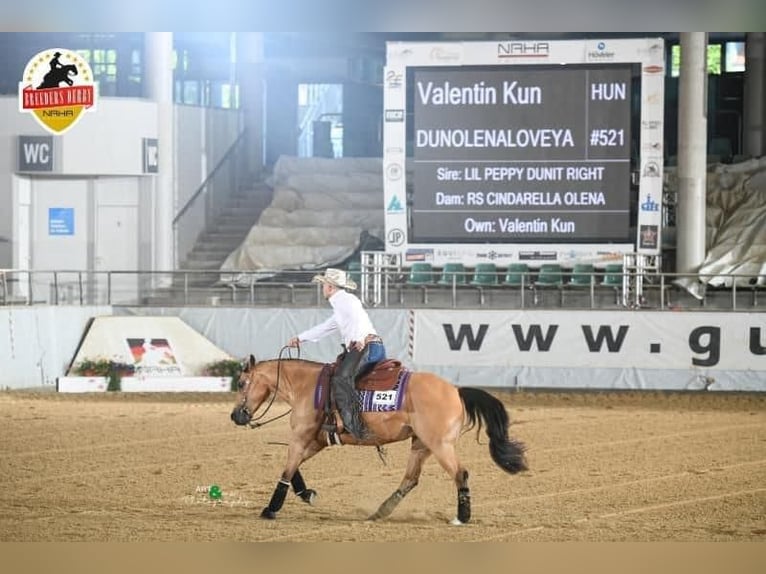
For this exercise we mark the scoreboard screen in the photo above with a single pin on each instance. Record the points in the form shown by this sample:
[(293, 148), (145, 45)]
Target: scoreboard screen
[(523, 150), (518, 155)]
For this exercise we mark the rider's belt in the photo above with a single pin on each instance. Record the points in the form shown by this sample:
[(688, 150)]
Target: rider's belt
[(372, 339)]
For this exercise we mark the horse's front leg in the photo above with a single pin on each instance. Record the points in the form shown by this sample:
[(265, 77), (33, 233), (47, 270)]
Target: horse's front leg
[(307, 495), (297, 452)]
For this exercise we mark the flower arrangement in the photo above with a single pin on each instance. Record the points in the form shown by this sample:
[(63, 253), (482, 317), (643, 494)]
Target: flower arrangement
[(102, 367), (92, 367)]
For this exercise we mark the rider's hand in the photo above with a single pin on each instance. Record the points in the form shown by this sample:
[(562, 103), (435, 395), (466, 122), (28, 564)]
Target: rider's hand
[(294, 342)]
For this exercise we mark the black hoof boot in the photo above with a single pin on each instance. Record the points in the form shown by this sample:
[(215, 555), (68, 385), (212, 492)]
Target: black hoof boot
[(308, 496), (268, 514)]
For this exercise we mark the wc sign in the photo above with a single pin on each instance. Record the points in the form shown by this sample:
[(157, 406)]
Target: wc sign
[(35, 153)]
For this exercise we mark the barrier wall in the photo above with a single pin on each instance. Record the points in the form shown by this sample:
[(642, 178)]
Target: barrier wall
[(503, 348), (37, 343)]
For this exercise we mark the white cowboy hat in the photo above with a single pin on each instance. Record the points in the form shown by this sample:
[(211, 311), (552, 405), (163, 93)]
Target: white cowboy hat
[(336, 277)]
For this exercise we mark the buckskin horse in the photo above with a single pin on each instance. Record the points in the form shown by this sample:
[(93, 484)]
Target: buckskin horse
[(430, 411)]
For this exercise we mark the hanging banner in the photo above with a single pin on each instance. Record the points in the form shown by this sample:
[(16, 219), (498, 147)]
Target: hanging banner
[(592, 339)]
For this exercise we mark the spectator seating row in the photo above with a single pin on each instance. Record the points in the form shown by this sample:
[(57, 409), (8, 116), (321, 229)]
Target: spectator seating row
[(582, 277), (518, 275)]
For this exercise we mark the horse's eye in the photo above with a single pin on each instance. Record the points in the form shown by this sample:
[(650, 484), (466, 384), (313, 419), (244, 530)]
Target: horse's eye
[(240, 384)]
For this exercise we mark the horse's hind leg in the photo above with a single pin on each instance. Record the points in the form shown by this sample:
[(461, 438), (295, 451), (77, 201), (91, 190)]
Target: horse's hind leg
[(447, 457), (463, 499), (418, 454)]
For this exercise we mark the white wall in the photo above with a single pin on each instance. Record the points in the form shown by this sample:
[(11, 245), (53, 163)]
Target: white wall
[(106, 143)]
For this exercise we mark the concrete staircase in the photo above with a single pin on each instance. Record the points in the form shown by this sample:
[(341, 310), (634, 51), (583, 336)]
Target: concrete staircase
[(224, 235)]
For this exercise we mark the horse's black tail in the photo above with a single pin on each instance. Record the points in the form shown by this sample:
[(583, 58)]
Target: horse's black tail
[(507, 453)]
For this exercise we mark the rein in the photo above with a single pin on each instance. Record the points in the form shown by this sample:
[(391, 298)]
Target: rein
[(254, 424)]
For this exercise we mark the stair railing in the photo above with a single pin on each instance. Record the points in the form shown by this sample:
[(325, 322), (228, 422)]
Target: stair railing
[(205, 204)]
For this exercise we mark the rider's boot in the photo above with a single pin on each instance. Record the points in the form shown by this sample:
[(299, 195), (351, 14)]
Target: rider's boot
[(348, 404)]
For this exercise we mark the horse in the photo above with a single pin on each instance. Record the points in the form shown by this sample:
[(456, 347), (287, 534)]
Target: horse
[(53, 78), (434, 414)]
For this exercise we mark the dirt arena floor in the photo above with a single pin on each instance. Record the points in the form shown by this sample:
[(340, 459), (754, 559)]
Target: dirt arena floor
[(604, 467)]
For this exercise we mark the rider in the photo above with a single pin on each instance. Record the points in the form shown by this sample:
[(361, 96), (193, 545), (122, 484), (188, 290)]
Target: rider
[(54, 63), (363, 344), (52, 78)]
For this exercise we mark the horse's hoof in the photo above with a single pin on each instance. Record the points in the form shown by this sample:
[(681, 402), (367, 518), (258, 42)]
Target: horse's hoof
[(456, 522), (308, 496), (268, 514)]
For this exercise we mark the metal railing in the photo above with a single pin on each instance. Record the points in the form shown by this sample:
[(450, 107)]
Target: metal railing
[(294, 288)]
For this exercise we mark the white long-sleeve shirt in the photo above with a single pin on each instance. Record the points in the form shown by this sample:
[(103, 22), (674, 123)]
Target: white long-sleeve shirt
[(349, 317)]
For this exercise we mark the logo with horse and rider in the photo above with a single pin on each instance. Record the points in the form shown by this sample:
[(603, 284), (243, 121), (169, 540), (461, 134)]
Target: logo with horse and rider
[(57, 88)]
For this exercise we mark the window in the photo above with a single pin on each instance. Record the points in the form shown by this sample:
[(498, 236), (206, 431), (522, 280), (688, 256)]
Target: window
[(320, 115), (735, 57), (714, 53)]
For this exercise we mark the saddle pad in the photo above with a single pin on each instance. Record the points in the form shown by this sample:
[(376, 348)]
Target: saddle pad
[(370, 401)]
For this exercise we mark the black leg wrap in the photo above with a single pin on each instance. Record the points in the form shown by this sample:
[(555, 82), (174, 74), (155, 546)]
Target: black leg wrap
[(463, 505), (299, 487), (297, 482), (277, 500)]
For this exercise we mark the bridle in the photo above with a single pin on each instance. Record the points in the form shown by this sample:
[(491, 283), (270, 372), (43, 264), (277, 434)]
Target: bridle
[(253, 424)]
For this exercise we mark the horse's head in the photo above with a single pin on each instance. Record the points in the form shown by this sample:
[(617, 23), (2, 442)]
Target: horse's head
[(252, 390)]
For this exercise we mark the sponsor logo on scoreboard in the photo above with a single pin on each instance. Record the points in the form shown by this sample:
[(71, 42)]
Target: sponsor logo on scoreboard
[(601, 53), (523, 50)]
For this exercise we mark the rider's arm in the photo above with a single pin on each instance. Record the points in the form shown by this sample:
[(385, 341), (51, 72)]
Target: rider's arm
[(319, 331)]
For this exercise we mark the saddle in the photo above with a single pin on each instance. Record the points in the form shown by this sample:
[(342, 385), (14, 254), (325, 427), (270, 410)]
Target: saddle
[(380, 389), (382, 377)]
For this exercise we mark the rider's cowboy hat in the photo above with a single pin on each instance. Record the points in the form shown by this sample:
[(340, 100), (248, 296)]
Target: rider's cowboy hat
[(56, 54), (336, 277)]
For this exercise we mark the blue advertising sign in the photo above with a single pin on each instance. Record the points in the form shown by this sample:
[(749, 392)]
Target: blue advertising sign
[(60, 221)]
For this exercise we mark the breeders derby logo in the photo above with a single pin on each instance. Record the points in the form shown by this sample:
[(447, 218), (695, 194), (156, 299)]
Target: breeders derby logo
[(57, 88)]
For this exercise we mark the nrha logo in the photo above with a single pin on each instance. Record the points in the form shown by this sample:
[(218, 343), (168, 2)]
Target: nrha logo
[(57, 87)]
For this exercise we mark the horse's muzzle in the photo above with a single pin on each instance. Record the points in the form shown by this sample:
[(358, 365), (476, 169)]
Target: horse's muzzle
[(240, 416)]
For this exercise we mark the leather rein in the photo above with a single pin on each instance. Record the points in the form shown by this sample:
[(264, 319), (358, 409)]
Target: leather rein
[(254, 424)]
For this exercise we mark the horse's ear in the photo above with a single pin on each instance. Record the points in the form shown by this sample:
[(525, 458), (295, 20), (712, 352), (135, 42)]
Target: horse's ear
[(252, 361)]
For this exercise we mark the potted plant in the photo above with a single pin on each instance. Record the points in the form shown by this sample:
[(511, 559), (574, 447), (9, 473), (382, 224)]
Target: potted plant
[(117, 370), (225, 368)]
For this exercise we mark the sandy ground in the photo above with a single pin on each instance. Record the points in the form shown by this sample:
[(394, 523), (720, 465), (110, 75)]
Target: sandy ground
[(604, 467)]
